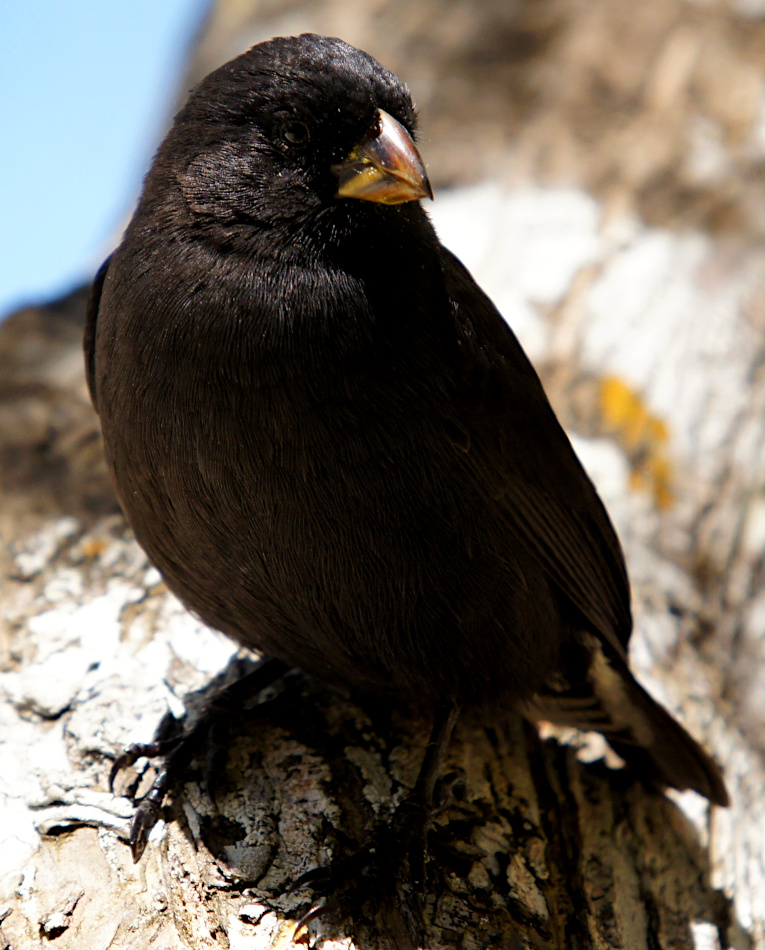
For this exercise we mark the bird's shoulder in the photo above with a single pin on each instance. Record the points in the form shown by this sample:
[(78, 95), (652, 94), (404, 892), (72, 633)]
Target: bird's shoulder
[(89, 335)]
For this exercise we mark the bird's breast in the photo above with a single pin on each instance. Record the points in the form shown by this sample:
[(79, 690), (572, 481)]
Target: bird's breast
[(323, 516)]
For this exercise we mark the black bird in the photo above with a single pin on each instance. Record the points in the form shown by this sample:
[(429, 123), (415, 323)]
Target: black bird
[(327, 438)]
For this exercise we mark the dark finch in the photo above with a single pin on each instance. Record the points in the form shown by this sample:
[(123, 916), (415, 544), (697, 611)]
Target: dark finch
[(327, 438)]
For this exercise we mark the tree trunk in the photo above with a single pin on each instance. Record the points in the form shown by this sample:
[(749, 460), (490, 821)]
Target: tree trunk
[(637, 288)]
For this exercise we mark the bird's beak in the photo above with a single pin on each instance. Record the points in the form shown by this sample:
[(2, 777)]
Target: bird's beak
[(386, 167)]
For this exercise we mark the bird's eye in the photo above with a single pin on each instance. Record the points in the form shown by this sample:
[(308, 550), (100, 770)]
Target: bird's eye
[(295, 134)]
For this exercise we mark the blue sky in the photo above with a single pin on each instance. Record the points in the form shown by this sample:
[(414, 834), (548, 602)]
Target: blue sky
[(85, 89)]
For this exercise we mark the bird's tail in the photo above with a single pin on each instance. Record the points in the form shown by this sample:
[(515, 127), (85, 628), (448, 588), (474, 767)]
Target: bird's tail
[(603, 696)]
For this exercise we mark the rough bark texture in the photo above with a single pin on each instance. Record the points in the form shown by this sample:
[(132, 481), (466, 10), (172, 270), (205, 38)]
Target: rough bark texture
[(621, 235)]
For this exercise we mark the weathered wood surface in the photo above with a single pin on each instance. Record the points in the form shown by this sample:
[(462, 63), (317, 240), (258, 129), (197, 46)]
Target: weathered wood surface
[(640, 294)]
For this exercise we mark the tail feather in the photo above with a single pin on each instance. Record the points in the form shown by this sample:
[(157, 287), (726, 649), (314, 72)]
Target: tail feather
[(605, 697)]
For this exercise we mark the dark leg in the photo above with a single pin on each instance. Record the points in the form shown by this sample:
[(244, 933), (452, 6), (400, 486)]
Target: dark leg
[(401, 839), (440, 736), (411, 818), (180, 750)]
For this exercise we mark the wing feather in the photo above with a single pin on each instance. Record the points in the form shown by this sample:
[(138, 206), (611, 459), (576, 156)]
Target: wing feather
[(522, 457)]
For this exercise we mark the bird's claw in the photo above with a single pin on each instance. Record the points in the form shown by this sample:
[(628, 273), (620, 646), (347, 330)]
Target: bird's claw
[(139, 750), (147, 814), (372, 872), (317, 912), (178, 750)]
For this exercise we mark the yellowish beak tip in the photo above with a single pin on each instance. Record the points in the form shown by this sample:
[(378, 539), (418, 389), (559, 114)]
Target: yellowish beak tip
[(385, 168)]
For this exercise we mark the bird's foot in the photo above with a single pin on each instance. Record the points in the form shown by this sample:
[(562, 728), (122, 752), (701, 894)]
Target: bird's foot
[(176, 752), (382, 881), (388, 874)]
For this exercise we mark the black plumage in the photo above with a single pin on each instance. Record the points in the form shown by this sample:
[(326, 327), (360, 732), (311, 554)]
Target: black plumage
[(326, 437)]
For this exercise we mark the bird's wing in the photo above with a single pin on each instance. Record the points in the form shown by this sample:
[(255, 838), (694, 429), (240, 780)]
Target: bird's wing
[(523, 459), (89, 336)]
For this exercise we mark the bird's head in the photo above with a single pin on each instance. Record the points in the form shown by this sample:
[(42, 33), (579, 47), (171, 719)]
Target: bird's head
[(294, 126)]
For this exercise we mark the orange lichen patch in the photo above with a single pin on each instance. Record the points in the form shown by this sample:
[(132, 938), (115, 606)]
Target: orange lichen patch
[(624, 410), (91, 548), (643, 435)]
